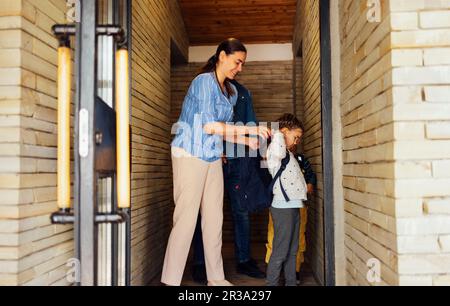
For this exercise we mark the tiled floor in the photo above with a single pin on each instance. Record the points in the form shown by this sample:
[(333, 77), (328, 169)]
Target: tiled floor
[(307, 278)]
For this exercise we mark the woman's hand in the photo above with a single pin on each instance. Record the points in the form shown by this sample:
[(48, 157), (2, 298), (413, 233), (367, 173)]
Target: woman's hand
[(229, 131), (253, 143), (224, 160), (261, 131)]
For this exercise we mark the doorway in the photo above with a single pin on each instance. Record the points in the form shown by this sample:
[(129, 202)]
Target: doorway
[(309, 96), (324, 272)]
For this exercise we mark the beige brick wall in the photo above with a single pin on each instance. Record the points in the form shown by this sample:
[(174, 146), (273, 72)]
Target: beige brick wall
[(32, 251), (271, 86), (155, 24), (394, 105), (10, 94), (308, 101), (298, 88), (368, 142), (421, 113)]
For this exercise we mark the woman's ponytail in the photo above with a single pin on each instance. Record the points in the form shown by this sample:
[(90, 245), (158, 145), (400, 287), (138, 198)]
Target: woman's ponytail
[(210, 66)]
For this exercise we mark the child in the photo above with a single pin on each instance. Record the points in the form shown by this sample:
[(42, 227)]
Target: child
[(290, 191), (311, 183)]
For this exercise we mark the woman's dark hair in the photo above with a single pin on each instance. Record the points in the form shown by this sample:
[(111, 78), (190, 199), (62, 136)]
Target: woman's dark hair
[(290, 122), (229, 46)]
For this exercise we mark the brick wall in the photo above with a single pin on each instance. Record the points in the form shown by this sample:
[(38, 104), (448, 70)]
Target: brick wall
[(155, 25), (394, 106), (298, 88), (10, 94), (32, 251), (368, 143), (395, 127), (308, 101), (421, 113), (271, 86)]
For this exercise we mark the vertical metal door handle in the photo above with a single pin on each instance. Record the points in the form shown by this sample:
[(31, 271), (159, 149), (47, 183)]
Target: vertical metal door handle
[(123, 129), (64, 93)]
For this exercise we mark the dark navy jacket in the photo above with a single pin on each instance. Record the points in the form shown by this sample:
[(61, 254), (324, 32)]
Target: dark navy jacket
[(253, 180), (307, 170), (243, 113)]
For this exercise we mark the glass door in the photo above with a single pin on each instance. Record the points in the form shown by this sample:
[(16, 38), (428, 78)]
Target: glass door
[(101, 187)]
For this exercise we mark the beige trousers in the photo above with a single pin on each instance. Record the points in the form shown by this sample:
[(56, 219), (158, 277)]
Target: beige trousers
[(198, 185)]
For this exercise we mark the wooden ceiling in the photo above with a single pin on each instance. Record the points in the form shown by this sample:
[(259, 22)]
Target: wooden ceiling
[(209, 22)]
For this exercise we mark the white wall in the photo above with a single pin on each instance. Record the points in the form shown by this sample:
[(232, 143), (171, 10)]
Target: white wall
[(256, 52)]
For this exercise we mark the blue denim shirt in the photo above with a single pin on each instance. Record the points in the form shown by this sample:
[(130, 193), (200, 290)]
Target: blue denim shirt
[(204, 103)]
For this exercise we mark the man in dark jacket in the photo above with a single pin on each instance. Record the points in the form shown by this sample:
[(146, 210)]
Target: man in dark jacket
[(243, 113)]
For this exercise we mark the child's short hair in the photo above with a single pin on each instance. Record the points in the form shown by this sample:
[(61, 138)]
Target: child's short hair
[(290, 122)]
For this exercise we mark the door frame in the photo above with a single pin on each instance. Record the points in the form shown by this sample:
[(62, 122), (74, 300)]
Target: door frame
[(85, 187), (327, 143), (129, 36)]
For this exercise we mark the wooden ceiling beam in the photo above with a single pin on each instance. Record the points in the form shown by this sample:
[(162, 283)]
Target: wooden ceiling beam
[(252, 21)]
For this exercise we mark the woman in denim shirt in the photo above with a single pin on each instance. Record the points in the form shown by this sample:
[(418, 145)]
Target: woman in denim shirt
[(197, 165)]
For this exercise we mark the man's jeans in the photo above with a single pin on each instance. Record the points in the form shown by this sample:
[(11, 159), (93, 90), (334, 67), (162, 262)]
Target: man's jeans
[(241, 218)]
